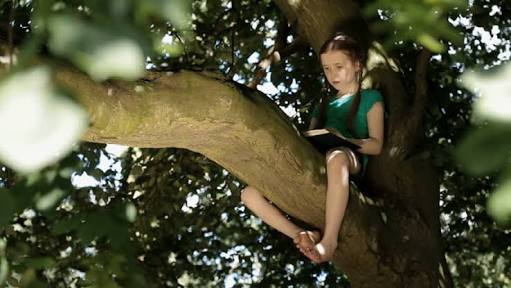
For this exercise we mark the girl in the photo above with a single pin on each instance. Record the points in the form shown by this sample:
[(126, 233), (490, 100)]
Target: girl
[(355, 113)]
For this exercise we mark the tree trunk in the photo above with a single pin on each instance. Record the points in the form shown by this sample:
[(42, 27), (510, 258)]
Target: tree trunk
[(409, 246)]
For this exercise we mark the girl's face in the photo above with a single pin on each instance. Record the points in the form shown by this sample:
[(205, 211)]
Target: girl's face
[(340, 70)]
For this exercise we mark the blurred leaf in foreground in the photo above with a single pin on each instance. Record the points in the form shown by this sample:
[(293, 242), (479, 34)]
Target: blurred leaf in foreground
[(488, 149), (484, 149), (7, 207), (39, 125), (178, 12), (4, 267), (495, 88), (101, 52), (499, 203)]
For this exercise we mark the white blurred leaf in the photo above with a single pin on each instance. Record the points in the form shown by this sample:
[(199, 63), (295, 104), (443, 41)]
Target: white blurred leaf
[(102, 53), (499, 203), (38, 125), (122, 58), (178, 12), (131, 212), (495, 101)]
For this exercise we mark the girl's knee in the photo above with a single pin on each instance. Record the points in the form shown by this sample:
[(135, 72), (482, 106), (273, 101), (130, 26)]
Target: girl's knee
[(343, 158), (337, 156)]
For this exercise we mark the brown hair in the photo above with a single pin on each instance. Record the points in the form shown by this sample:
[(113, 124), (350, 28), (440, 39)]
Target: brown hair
[(342, 42)]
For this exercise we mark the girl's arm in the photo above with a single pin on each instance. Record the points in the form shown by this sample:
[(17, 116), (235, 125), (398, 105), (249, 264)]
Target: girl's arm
[(374, 143)]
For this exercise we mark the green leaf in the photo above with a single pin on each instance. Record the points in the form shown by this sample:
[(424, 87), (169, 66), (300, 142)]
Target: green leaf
[(4, 266), (485, 150), (101, 223), (174, 49), (4, 269), (495, 88), (66, 225), (102, 51), (499, 203), (131, 212), (39, 126), (430, 42), (40, 263), (101, 279), (7, 207), (97, 174), (48, 200), (176, 11)]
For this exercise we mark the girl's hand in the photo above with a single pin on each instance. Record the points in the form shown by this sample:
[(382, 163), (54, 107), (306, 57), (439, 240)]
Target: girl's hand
[(359, 142)]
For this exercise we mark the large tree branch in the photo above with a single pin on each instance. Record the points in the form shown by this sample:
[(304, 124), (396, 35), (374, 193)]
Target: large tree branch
[(241, 130)]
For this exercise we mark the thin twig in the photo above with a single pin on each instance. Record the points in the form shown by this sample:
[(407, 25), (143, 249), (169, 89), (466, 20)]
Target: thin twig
[(10, 34), (276, 53), (233, 24), (176, 34)]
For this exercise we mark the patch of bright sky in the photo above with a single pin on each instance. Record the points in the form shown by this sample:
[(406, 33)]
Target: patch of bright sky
[(192, 201), (167, 39), (268, 88), (227, 4), (321, 278), (268, 42), (235, 278), (84, 180), (490, 38), (254, 24), (254, 58)]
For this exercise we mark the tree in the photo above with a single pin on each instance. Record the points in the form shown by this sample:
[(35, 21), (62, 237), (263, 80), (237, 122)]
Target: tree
[(391, 239)]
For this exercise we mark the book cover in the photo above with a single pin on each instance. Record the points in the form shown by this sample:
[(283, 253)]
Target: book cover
[(328, 138)]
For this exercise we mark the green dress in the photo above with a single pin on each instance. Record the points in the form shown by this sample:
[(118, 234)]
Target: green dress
[(338, 111)]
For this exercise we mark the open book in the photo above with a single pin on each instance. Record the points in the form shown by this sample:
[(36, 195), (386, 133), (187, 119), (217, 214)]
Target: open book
[(328, 138)]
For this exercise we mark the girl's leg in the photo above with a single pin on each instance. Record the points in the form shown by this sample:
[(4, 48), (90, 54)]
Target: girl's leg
[(261, 207), (339, 165)]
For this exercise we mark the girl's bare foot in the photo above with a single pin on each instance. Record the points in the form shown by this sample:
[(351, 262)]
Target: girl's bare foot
[(324, 251), (306, 240)]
